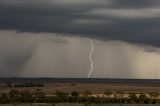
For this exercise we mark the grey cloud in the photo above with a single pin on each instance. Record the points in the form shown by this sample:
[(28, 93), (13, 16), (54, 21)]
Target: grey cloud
[(127, 13), (128, 20)]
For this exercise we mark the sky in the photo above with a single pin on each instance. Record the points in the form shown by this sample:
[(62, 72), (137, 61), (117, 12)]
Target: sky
[(50, 38)]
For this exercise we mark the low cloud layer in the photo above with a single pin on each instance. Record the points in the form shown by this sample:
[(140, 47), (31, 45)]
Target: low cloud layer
[(56, 55)]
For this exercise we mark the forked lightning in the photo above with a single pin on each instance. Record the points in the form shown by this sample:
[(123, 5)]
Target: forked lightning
[(90, 58)]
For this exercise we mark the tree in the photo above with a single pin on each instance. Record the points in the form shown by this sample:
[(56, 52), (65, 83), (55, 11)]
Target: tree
[(14, 95), (120, 95), (108, 93), (154, 96), (25, 95), (86, 94), (75, 94), (38, 95), (143, 98), (133, 97), (62, 96)]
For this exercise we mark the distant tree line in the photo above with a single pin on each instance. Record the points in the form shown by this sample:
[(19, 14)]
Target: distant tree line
[(9, 84), (29, 85), (38, 96)]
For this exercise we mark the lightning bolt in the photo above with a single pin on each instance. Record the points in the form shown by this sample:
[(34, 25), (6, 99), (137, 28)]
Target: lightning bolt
[(90, 58)]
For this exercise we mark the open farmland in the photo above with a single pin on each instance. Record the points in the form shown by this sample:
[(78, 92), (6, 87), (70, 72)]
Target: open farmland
[(50, 89), (95, 86)]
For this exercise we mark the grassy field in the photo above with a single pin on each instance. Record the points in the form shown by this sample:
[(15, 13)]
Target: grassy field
[(62, 104), (95, 88)]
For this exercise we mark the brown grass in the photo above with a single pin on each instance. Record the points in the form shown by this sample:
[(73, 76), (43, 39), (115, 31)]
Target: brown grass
[(50, 88)]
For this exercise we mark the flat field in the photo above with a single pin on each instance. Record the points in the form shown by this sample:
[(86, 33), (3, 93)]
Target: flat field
[(95, 88)]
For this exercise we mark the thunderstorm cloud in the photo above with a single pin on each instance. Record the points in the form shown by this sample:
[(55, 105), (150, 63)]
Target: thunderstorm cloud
[(50, 38)]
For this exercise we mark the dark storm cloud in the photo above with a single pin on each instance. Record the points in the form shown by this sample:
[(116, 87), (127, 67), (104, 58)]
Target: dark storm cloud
[(129, 20)]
